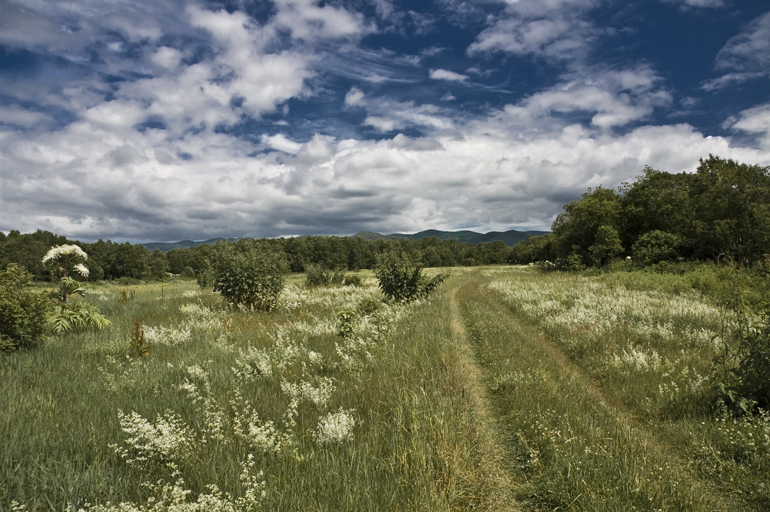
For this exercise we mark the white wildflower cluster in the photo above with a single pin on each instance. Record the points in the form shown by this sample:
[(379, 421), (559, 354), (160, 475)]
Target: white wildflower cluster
[(335, 427), (594, 307), (264, 436), (676, 384), (749, 435), (213, 415), (315, 326), (354, 352), (305, 391), (637, 359), (333, 298), (169, 439), (167, 335), (200, 317), (190, 294), (175, 498), (252, 363), (67, 251)]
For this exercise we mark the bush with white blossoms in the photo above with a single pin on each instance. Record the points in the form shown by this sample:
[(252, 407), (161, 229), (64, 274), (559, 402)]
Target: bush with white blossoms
[(335, 427), (167, 440)]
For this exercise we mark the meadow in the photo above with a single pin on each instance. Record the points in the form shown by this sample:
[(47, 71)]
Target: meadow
[(507, 389)]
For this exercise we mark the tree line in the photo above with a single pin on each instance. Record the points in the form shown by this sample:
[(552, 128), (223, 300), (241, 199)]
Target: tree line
[(720, 213), (115, 261)]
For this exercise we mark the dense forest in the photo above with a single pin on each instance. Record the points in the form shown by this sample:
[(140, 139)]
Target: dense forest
[(719, 213), (111, 261)]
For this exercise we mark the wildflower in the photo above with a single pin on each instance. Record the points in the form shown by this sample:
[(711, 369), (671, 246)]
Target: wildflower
[(55, 253), (81, 269), (335, 427)]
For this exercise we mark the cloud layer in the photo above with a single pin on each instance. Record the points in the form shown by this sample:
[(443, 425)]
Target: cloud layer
[(167, 120)]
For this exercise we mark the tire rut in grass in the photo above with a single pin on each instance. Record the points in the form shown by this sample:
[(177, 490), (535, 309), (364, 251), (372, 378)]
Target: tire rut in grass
[(573, 443)]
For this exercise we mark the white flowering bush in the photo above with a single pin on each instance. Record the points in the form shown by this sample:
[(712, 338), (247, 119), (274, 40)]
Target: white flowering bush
[(335, 427), (168, 440)]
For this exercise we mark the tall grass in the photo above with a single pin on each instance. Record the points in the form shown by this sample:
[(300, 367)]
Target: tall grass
[(605, 382), (248, 410)]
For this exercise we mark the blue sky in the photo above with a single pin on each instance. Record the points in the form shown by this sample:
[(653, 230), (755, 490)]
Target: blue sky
[(170, 119)]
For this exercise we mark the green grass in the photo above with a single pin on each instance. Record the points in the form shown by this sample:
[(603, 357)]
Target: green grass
[(509, 389), (604, 391), (417, 443)]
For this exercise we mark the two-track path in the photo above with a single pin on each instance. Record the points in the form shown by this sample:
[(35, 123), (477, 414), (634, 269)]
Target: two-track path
[(533, 391)]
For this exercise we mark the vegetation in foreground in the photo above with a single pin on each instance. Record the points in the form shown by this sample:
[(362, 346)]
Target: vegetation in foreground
[(507, 388), (183, 402)]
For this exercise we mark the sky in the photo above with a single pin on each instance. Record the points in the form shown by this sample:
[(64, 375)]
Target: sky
[(164, 120)]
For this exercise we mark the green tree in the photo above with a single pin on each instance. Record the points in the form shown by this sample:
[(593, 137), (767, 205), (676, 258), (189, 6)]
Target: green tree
[(658, 201), (732, 219), (606, 246), (575, 229), (157, 264)]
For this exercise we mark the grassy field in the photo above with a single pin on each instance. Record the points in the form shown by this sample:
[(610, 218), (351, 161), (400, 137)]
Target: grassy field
[(509, 389)]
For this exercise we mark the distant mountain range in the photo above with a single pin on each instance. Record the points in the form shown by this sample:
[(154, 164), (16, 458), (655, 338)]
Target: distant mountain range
[(510, 238), (183, 244)]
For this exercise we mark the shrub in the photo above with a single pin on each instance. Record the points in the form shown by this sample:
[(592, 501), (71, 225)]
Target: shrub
[(338, 276), (401, 279), (316, 275), (354, 280), (22, 309), (743, 373), (205, 278), (656, 246), (574, 262), (252, 279)]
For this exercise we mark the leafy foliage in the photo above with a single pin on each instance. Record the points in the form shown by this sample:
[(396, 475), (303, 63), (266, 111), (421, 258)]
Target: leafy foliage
[(22, 309), (720, 212), (66, 316), (606, 245), (251, 278), (316, 275), (656, 246), (401, 279), (78, 315), (743, 373)]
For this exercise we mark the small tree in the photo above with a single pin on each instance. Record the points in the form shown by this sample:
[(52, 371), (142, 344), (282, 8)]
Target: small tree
[(22, 309), (252, 279), (401, 279)]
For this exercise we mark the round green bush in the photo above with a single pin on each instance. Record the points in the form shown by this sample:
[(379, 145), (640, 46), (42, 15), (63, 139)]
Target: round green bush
[(22, 309)]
